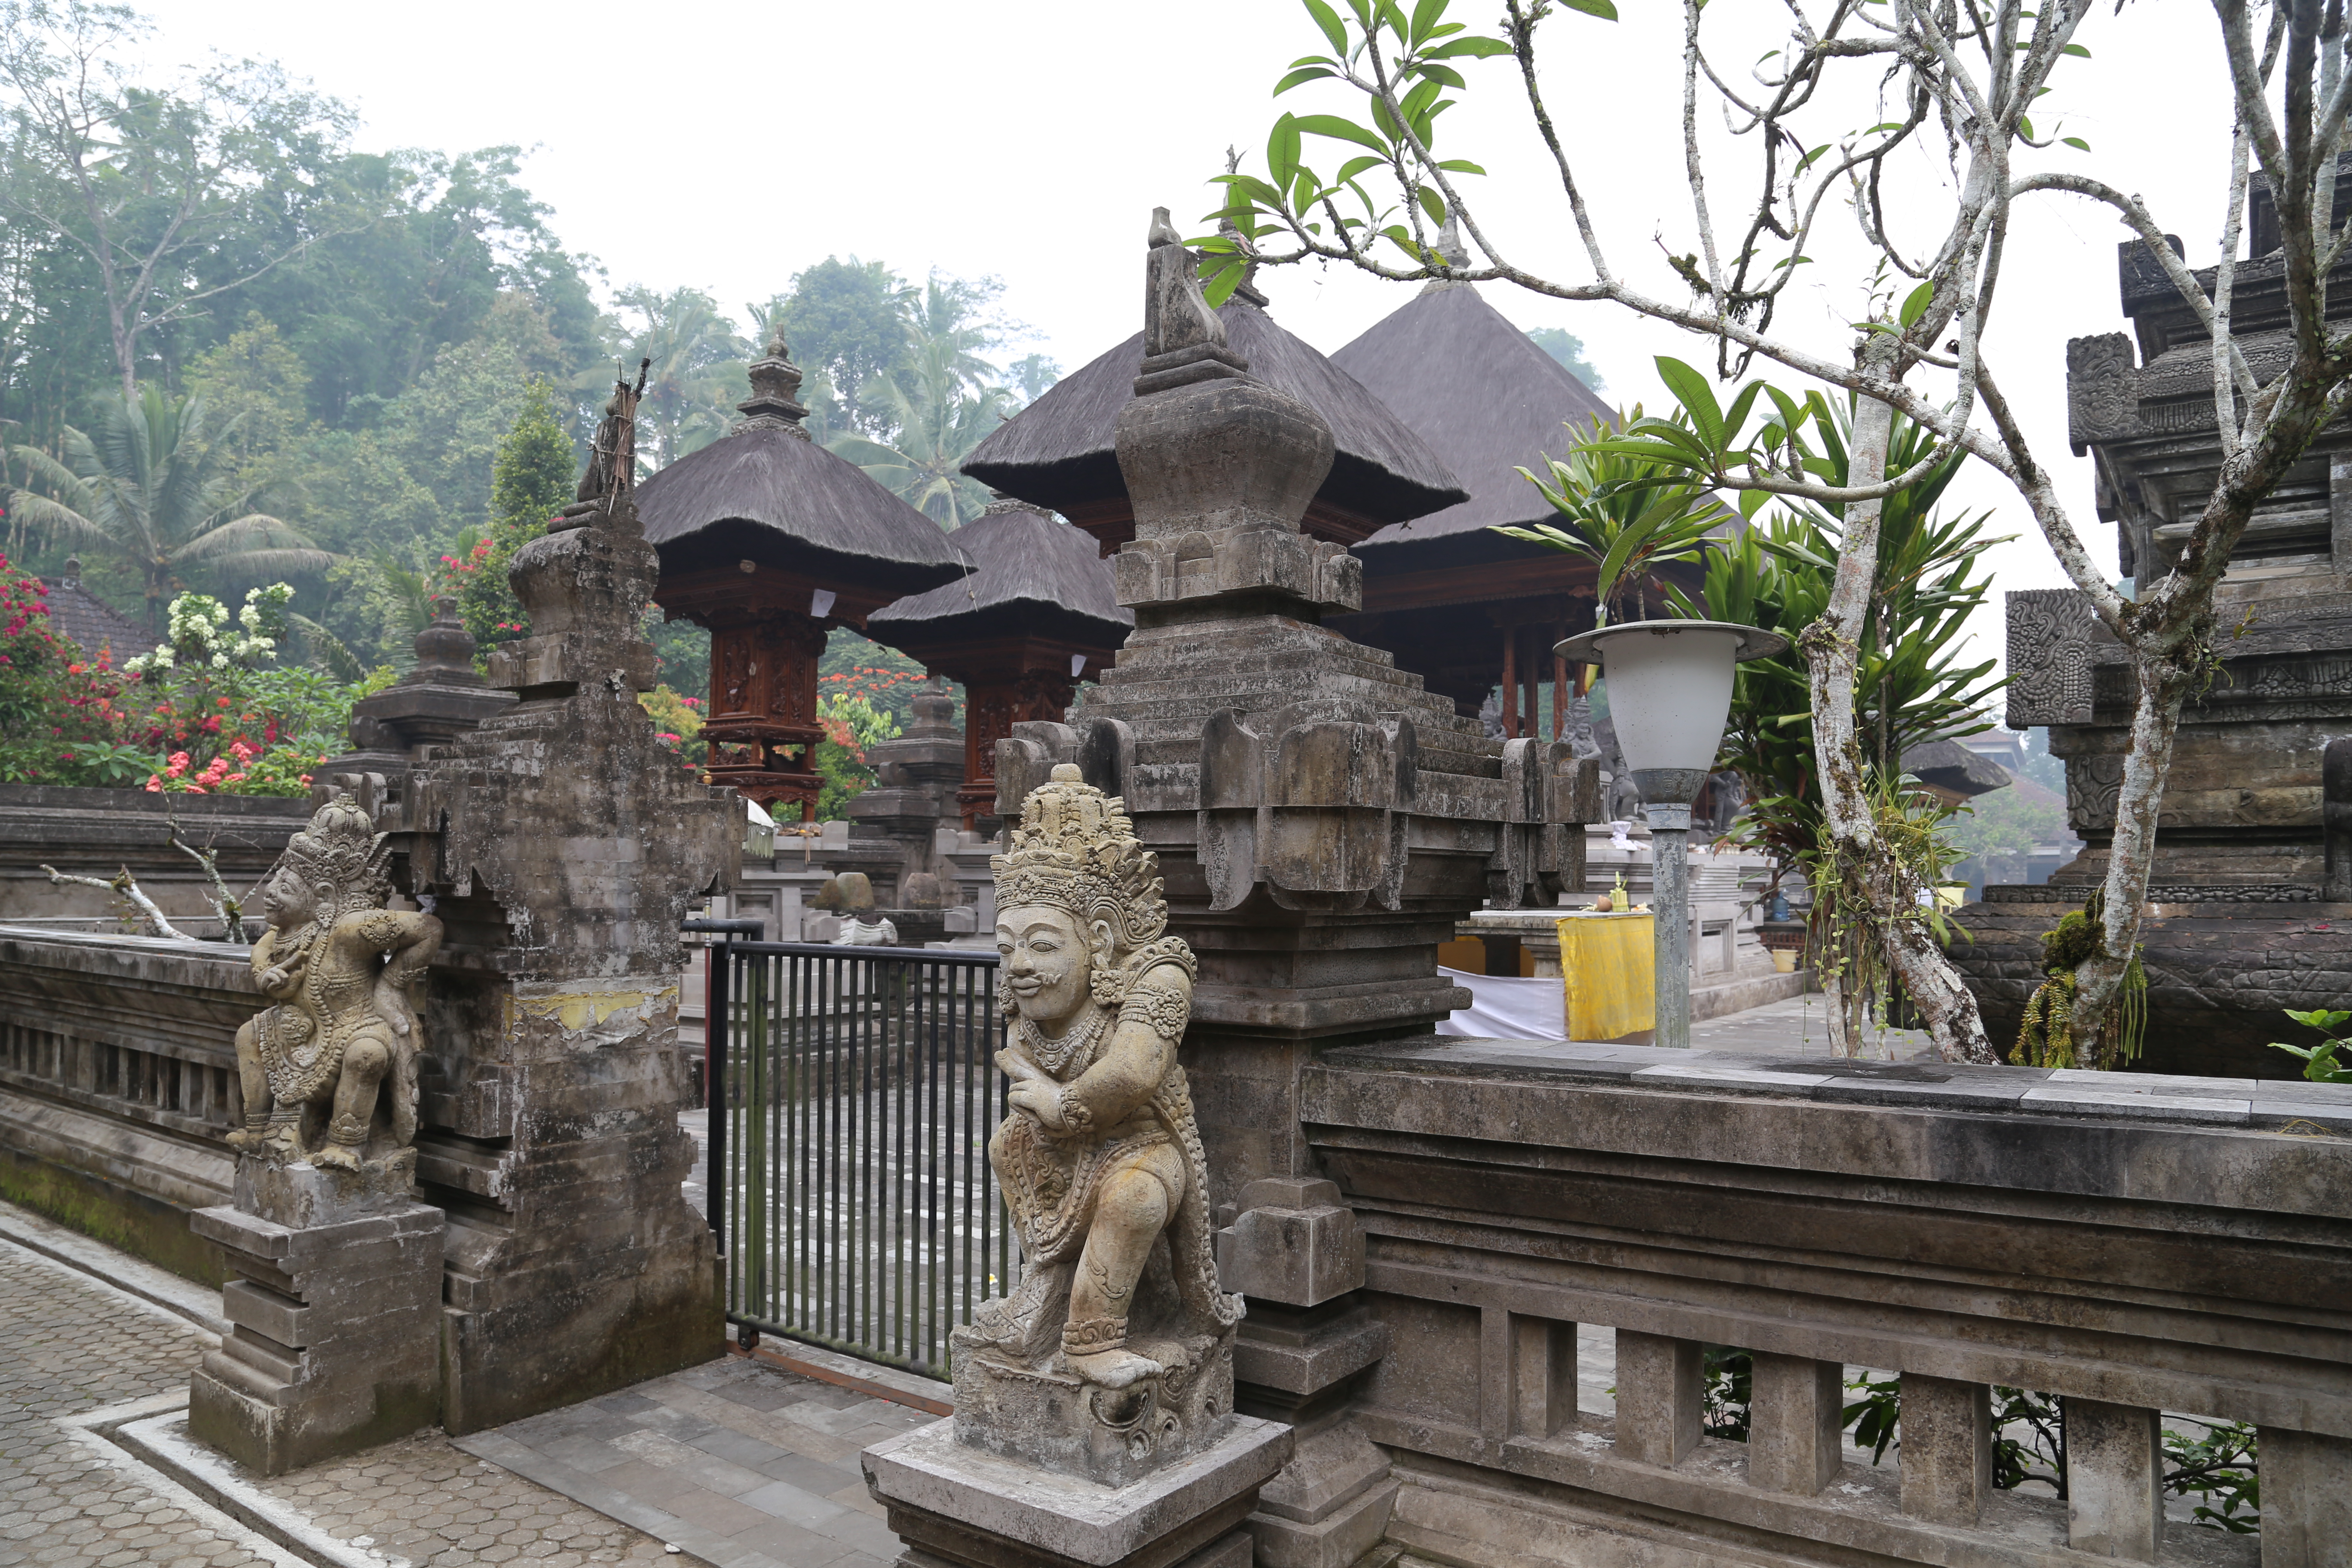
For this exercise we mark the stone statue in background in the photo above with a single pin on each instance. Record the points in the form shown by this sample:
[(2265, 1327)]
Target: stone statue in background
[(340, 1030), (1115, 1352)]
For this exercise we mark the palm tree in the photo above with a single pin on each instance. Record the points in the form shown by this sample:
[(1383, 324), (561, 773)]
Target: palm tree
[(696, 377), (937, 420), (154, 488)]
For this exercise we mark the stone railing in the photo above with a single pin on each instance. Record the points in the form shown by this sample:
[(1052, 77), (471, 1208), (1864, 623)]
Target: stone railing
[(97, 832), (2131, 1244), (117, 1083)]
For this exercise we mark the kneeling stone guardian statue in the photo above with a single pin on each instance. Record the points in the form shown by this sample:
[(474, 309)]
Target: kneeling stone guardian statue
[(1114, 1356)]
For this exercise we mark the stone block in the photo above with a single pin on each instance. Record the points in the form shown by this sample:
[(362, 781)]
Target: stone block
[(1660, 1385), (1946, 1454), (1059, 1422), (336, 1342), (1329, 1504), (1794, 1423), (1293, 1242), (956, 1504), (2115, 1480), (2307, 1506), (1542, 1376)]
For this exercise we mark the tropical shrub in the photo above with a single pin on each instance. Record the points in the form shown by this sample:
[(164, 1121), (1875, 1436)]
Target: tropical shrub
[(851, 724)]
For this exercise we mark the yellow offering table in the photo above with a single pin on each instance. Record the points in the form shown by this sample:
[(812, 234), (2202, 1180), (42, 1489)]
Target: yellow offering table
[(1607, 964)]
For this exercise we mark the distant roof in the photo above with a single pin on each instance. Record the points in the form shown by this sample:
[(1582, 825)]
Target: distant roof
[(1058, 453), (94, 625), (1026, 564), (1482, 394), (1951, 765)]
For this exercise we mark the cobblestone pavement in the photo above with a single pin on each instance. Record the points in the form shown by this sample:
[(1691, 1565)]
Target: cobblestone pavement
[(76, 1346)]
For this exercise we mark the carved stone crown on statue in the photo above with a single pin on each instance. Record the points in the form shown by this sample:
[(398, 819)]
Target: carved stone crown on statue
[(342, 848), (1076, 850)]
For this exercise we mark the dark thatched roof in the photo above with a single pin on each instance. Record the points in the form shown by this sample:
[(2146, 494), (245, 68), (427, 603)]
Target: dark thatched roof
[(1482, 394), (763, 490), (1057, 452), (1029, 571), (95, 626), (1949, 765)]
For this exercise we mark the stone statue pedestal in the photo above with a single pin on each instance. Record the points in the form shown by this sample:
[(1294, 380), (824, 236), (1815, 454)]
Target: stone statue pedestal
[(334, 1295), (1114, 1438), (955, 1504)]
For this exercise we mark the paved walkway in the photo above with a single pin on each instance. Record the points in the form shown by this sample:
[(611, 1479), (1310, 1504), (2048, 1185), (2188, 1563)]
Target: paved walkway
[(735, 1463)]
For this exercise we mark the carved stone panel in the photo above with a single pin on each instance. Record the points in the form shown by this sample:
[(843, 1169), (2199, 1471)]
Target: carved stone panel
[(2048, 658), (2102, 390)]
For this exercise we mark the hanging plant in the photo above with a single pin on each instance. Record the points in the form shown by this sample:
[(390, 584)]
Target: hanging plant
[(2047, 1038)]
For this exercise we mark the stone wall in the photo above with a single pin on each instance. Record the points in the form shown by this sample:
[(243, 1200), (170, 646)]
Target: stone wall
[(97, 832), (2132, 1243), (117, 1083)]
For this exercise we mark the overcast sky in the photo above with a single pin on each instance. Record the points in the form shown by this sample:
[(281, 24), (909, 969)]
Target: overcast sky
[(727, 146)]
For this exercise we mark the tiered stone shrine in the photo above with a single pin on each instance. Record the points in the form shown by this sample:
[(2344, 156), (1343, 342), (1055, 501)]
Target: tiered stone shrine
[(2250, 896)]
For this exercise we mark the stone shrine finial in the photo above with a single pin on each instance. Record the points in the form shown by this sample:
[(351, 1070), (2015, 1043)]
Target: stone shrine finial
[(1454, 254), (775, 386), (1095, 1365), (1183, 340)]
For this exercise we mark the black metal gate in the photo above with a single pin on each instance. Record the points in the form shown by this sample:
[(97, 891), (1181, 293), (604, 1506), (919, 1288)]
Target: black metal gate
[(851, 1094)]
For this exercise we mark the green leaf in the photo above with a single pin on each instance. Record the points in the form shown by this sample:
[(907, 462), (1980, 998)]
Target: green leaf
[(1329, 20), (1691, 391), (2077, 50), (1601, 8), (1432, 204), (1218, 286), (1737, 415), (1355, 166), (2025, 128), (1472, 48), (1300, 77), (1282, 152), (1915, 305), (2326, 1020), (1753, 501), (1461, 166), (2076, 142), (1340, 130), (1446, 74), (1426, 16)]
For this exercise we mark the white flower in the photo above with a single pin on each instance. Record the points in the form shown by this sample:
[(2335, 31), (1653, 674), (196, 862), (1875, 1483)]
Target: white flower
[(220, 661)]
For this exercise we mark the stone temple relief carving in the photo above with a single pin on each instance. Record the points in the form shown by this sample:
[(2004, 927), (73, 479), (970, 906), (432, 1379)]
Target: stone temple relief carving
[(328, 1070), (2048, 658), (1115, 1352)]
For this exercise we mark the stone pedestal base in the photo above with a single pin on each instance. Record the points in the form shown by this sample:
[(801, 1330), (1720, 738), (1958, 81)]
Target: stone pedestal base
[(1114, 1436), (334, 1292), (956, 1505)]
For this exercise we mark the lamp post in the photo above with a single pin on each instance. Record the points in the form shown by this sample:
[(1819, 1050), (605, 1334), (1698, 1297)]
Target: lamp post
[(1669, 694)]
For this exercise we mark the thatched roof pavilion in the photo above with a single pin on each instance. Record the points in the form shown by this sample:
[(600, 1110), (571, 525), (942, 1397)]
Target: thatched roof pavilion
[(1034, 615), (1463, 608), (770, 541), (1057, 452)]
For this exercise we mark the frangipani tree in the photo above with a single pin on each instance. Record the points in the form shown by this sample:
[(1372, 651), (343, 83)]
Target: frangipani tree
[(1951, 85)]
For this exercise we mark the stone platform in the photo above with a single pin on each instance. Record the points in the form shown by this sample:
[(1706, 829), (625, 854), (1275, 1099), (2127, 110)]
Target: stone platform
[(2223, 965), (953, 1504)]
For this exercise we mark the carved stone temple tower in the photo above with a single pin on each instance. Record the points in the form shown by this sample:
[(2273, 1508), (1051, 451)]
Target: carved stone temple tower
[(2252, 872), (1321, 821)]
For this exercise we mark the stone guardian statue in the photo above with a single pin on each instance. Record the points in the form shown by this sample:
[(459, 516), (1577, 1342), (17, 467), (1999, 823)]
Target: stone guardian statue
[(1115, 1352), (340, 1029)]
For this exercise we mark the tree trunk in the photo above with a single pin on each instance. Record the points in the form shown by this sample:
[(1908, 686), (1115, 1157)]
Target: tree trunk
[(1832, 647), (2161, 687)]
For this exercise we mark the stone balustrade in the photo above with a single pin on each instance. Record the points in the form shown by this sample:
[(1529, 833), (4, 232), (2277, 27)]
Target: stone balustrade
[(2132, 1245)]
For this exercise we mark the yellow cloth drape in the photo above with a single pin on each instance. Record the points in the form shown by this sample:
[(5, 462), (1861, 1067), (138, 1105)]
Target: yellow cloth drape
[(1608, 964)]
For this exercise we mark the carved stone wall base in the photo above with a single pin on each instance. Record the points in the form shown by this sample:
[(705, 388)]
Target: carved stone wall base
[(334, 1295), (955, 1505), (1116, 1438)]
